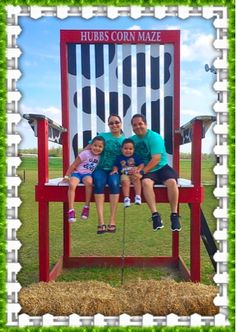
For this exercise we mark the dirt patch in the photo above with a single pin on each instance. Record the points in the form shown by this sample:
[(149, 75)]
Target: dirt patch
[(88, 298)]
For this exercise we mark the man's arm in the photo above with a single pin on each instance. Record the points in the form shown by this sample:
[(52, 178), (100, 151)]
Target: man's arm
[(152, 163)]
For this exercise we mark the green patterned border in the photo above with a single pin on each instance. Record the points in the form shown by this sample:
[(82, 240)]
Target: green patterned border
[(2, 167), (230, 4), (231, 164)]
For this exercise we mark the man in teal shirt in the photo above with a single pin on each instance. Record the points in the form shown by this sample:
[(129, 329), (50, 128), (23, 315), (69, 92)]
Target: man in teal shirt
[(150, 146)]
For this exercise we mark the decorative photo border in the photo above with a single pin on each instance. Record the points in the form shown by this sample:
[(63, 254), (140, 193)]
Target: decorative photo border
[(224, 169)]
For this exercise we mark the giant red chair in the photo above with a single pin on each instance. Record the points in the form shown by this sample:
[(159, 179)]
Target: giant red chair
[(122, 72)]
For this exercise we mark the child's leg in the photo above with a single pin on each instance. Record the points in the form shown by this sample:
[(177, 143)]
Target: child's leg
[(125, 187), (88, 182), (125, 183), (71, 191), (137, 185), (137, 189)]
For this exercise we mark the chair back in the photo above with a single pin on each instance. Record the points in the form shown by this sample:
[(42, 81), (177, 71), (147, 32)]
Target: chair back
[(120, 72)]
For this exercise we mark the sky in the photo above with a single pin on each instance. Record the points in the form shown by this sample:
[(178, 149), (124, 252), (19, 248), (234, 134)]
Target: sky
[(40, 66)]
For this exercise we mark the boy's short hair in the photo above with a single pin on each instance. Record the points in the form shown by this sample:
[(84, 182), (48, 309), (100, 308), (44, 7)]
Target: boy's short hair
[(127, 140), (98, 138)]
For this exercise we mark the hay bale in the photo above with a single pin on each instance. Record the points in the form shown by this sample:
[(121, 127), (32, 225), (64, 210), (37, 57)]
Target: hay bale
[(88, 298), (65, 298), (161, 298)]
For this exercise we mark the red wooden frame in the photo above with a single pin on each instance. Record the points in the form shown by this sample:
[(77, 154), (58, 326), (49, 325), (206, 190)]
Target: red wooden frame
[(45, 194)]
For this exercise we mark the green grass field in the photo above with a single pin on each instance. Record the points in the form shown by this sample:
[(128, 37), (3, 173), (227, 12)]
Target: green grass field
[(140, 239)]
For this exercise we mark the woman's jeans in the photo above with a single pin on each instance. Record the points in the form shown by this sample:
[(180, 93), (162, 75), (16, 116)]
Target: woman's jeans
[(102, 177)]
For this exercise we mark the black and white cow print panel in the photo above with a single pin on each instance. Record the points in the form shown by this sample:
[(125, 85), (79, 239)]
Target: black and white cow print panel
[(121, 79)]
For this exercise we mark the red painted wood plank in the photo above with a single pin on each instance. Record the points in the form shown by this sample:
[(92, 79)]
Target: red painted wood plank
[(59, 194)]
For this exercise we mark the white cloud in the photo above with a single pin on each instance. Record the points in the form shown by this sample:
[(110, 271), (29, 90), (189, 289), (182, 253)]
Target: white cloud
[(50, 55), (173, 27), (191, 91), (188, 112), (198, 47), (24, 129), (52, 112), (30, 63), (195, 46), (135, 27)]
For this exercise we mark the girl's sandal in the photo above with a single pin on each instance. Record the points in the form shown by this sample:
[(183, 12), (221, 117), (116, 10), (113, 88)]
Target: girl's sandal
[(111, 228), (101, 229)]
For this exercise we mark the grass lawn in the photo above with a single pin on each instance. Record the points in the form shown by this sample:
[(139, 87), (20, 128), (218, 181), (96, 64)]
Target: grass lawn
[(140, 239)]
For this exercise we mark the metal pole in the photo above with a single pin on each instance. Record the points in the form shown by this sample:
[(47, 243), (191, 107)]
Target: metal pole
[(123, 250)]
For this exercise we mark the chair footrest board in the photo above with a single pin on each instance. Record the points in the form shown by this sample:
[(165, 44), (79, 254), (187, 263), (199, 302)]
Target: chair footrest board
[(117, 261)]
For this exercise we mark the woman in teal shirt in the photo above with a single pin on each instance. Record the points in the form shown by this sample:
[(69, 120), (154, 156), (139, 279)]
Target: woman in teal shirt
[(102, 176)]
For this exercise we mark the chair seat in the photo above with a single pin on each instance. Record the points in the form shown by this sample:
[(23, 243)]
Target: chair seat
[(50, 192), (56, 182)]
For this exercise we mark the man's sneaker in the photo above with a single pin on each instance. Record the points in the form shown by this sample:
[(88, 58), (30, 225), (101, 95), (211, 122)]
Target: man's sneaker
[(175, 224), (156, 221), (127, 202), (71, 216), (137, 200), (85, 213)]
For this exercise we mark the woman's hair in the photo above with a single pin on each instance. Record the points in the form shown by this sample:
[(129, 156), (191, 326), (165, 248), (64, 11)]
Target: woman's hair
[(98, 138), (126, 141), (139, 116), (116, 115)]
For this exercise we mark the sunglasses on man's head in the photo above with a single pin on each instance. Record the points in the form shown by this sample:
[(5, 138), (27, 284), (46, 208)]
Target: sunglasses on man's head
[(112, 123)]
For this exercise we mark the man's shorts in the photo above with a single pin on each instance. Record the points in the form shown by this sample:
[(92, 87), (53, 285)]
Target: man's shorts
[(161, 175), (80, 176)]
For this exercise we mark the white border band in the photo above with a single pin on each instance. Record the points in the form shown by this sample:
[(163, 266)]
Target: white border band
[(221, 171)]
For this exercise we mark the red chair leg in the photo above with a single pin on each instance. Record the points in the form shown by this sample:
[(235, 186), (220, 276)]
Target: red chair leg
[(43, 241), (175, 245), (195, 248), (66, 234)]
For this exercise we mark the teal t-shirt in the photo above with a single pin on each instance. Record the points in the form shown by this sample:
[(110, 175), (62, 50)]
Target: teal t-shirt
[(111, 151), (152, 143)]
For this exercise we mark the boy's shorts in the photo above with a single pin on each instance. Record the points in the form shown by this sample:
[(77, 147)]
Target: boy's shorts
[(161, 175), (80, 176), (125, 177)]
